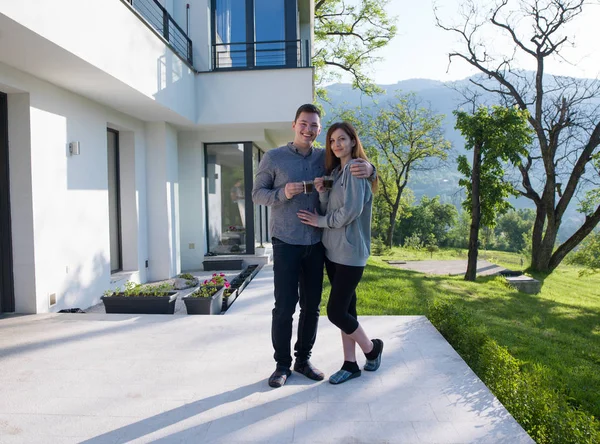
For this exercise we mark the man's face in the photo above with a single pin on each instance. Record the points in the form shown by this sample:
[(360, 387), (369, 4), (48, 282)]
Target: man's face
[(306, 129)]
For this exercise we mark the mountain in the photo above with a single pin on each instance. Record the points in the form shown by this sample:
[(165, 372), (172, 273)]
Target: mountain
[(443, 98)]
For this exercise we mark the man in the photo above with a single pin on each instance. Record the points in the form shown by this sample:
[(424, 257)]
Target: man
[(298, 254)]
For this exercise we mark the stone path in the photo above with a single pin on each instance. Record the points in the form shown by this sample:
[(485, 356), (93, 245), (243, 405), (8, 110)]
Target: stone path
[(451, 267), (96, 378)]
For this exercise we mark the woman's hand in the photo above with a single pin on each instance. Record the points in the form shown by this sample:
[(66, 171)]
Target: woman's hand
[(308, 218), (319, 184)]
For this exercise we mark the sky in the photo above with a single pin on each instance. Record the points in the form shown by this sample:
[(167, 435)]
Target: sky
[(420, 49)]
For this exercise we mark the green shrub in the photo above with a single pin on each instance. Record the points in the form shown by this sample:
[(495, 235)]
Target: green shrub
[(187, 276), (413, 241), (379, 247), (545, 415)]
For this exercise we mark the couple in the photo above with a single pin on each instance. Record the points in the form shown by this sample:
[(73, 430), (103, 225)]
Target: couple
[(343, 216)]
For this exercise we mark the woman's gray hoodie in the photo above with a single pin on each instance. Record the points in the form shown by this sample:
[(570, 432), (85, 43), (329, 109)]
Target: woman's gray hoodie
[(347, 222)]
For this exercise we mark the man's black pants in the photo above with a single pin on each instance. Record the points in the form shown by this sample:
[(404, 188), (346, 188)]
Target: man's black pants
[(298, 276)]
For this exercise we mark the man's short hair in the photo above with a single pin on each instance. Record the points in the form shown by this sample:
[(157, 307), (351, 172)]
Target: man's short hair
[(307, 108)]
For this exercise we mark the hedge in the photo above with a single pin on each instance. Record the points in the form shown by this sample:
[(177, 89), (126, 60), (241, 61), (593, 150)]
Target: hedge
[(543, 413)]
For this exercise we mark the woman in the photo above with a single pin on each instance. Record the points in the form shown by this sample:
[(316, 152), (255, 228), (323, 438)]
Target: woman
[(347, 241)]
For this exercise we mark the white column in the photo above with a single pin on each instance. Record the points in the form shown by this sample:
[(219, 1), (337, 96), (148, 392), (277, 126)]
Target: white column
[(192, 215), (163, 201), (21, 202), (200, 34)]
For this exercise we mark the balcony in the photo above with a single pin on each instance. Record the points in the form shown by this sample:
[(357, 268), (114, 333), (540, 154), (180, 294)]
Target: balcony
[(158, 17), (256, 55)]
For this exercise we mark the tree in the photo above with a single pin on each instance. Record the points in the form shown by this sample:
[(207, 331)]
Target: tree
[(347, 37), (565, 120), (512, 228), (458, 235), (428, 217), (496, 136), (400, 136), (588, 254)]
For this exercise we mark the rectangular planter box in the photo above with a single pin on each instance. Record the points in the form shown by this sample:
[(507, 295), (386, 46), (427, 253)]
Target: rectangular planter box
[(227, 301), (248, 278), (205, 306), (140, 304), (222, 264)]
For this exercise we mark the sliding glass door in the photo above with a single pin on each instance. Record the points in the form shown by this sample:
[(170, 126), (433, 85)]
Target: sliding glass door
[(235, 225)]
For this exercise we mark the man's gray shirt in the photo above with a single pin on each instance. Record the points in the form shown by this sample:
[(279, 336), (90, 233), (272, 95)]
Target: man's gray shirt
[(277, 168)]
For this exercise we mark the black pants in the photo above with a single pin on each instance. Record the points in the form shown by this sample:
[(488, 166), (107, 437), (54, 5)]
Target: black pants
[(341, 308), (298, 276)]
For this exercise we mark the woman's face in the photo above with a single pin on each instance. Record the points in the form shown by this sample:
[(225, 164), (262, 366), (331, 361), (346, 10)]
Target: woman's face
[(341, 144)]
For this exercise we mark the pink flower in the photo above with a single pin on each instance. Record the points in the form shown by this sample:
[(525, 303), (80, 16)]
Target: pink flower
[(222, 274), (227, 285)]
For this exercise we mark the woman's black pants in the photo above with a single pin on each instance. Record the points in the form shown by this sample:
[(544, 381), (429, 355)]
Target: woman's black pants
[(341, 308)]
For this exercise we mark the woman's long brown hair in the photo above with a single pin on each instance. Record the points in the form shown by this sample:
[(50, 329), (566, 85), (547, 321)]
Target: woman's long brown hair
[(331, 161)]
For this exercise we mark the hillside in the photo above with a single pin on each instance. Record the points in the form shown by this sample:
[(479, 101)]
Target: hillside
[(443, 98)]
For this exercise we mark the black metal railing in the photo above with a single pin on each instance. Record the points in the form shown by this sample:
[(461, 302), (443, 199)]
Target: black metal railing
[(159, 18), (269, 54)]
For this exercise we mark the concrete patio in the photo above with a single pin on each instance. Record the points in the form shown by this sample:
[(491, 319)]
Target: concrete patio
[(97, 378)]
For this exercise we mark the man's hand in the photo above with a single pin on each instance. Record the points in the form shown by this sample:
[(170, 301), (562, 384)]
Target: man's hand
[(293, 188), (319, 184), (362, 169), (308, 218)]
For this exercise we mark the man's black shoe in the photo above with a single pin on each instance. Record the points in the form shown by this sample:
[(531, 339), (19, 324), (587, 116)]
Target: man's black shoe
[(308, 370), (279, 377)]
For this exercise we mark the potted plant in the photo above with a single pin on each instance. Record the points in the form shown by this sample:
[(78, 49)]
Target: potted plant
[(140, 299), (260, 250), (208, 298)]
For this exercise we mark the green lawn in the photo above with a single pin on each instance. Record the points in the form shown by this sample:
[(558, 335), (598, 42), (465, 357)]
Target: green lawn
[(556, 331)]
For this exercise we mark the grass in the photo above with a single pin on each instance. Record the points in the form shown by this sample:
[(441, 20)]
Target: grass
[(556, 332)]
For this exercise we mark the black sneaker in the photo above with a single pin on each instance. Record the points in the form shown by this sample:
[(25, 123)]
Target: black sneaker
[(308, 370), (279, 376)]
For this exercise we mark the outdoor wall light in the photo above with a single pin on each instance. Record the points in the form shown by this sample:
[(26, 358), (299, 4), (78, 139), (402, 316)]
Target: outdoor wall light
[(74, 148)]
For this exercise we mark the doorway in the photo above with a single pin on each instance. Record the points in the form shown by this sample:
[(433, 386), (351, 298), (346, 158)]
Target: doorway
[(7, 292), (114, 201)]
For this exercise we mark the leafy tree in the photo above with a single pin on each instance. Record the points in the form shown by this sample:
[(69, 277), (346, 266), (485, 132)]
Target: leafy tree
[(513, 228), (563, 111), (347, 37), (458, 235), (429, 217), (588, 254), (401, 136), (431, 244), (496, 136)]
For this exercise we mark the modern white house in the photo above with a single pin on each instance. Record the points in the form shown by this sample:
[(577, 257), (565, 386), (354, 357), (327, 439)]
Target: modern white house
[(129, 135)]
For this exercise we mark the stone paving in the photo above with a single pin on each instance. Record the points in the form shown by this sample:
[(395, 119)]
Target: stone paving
[(96, 378), (450, 267)]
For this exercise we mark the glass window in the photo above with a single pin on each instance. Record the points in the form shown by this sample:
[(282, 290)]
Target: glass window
[(226, 198), (256, 41), (269, 26), (260, 211), (230, 23)]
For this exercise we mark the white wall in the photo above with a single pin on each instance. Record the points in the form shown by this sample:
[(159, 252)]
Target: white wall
[(248, 97), (199, 31), (60, 202), (109, 36)]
